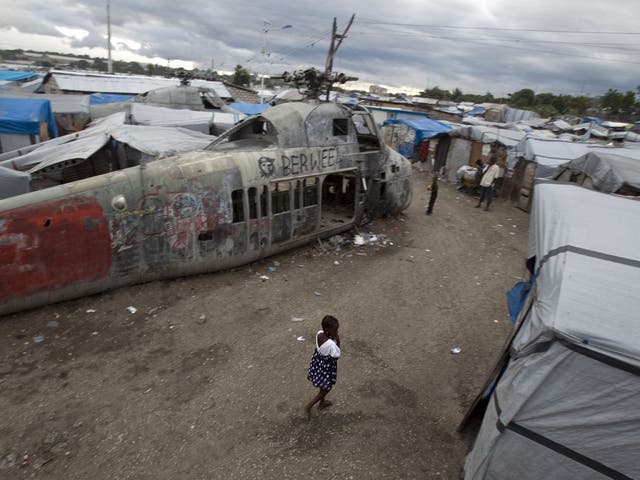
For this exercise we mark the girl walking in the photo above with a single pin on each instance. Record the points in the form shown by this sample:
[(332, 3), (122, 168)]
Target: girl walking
[(323, 368)]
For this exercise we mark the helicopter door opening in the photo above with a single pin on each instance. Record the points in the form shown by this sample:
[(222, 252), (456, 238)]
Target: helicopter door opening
[(338, 200)]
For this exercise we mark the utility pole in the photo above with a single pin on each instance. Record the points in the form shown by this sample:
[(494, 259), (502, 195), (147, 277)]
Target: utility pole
[(333, 47), (110, 65), (265, 30)]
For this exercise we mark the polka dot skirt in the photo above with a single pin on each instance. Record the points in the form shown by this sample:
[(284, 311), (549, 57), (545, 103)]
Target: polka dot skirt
[(323, 371)]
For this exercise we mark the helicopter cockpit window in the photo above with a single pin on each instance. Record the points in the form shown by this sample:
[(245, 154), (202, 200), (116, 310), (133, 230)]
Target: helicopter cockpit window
[(361, 126), (366, 133), (340, 126), (254, 131)]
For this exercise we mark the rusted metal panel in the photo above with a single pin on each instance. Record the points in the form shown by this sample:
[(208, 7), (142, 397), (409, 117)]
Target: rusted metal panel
[(52, 245)]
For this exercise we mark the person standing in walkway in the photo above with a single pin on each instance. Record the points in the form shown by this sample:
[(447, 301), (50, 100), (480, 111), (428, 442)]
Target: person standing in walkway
[(323, 368), (488, 181), (434, 193)]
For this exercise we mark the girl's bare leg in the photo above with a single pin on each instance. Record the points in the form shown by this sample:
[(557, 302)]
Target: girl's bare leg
[(318, 398)]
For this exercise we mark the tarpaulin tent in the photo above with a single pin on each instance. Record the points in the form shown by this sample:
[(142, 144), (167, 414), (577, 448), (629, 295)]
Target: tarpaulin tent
[(23, 121), (15, 75), (568, 402), (71, 112), (421, 129), (13, 183), (102, 98), (542, 158), (23, 116), (606, 171)]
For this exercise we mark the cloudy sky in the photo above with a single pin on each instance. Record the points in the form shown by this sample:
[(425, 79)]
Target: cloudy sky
[(501, 46)]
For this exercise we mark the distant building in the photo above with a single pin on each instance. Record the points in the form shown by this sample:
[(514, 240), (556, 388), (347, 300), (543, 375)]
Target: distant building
[(377, 90)]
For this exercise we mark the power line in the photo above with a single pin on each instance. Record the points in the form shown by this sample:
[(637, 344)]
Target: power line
[(616, 46), (460, 27)]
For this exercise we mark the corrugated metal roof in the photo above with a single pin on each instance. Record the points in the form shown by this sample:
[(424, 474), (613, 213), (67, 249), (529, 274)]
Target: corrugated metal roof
[(123, 84)]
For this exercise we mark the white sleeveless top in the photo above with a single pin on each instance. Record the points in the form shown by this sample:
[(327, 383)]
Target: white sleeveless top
[(329, 347)]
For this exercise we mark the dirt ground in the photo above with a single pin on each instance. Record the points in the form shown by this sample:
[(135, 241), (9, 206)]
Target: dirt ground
[(208, 378)]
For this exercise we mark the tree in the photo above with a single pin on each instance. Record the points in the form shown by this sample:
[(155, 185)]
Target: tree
[(579, 105), (100, 65), (457, 95), (561, 103), (83, 64), (524, 98), (628, 103), (436, 93), (241, 76)]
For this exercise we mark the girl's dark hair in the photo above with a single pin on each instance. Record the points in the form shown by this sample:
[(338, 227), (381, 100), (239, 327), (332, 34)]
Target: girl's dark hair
[(329, 321)]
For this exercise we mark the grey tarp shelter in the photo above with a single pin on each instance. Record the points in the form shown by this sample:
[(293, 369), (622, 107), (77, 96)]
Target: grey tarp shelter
[(606, 171), (567, 406)]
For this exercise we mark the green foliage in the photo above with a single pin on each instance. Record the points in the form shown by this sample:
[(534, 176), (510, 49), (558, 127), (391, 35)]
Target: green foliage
[(436, 93), (100, 65), (241, 76), (11, 54), (618, 104), (524, 99), (456, 96)]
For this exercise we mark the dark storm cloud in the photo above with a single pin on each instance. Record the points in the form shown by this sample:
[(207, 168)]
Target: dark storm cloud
[(505, 56)]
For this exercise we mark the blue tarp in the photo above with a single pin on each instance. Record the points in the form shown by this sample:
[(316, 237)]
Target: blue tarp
[(13, 75), (250, 108), (597, 120), (425, 127), (100, 98), (23, 116), (517, 296), (476, 111)]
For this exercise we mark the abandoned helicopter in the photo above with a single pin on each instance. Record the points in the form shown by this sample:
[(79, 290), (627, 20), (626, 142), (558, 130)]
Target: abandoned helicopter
[(297, 172)]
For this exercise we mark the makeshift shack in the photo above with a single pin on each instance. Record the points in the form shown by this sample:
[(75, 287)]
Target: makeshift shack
[(71, 112), (567, 405), (469, 143), (412, 137), (542, 158), (100, 149), (25, 121), (605, 172)]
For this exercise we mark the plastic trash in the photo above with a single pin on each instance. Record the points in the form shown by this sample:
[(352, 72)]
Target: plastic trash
[(131, 309), (91, 310), (271, 269), (358, 240), (456, 350), (38, 339), (53, 323), (300, 339), (317, 294), (264, 278), (336, 262), (297, 319)]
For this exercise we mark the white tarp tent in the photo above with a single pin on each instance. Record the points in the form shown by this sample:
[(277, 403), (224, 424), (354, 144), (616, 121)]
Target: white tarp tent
[(153, 141), (13, 183), (608, 172), (201, 121), (549, 154), (568, 404)]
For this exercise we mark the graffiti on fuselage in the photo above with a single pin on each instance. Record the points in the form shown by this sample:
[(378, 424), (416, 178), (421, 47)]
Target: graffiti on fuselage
[(308, 161), (177, 218)]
